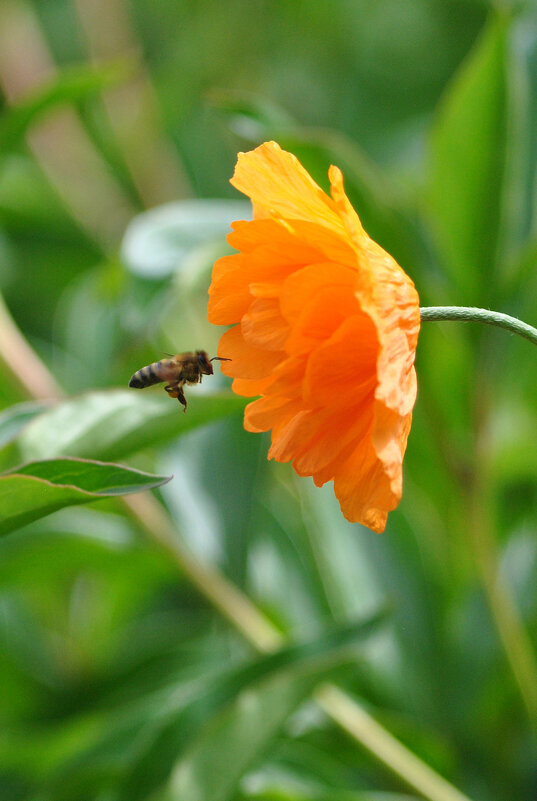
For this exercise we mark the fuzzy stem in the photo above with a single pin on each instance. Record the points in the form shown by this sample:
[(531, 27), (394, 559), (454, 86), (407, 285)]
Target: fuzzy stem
[(472, 314)]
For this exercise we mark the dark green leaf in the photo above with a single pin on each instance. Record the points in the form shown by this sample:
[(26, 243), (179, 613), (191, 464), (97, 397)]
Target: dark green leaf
[(36, 489), (239, 735), (466, 166)]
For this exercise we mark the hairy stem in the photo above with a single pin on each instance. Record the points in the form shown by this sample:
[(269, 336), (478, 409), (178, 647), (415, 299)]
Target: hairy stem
[(472, 314)]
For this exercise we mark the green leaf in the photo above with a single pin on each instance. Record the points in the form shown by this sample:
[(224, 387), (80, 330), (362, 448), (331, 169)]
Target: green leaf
[(36, 489), (111, 424), (239, 735), (139, 739), (12, 420), (278, 791), (71, 86), (467, 165), (157, 241), (251, 115), (521, 158)]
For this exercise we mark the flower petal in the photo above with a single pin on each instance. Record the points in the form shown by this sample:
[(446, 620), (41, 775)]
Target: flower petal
[(347, 213), (263, 324), (314, 439), (250, 387), (303, 283), (279, 186), (342, 370), (320, 317), (282, 243), (327, 336), (265, 413), (229, 296), (246, 360), (368, 484)]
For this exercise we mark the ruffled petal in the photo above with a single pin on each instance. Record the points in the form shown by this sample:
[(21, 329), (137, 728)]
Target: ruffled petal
[(320, 317), (369, 483), (246, 360), (314, 439), (363, 489), (300, 285), (328, 327), (282, 244), (229, 296), (342, 370), (272, 410), (263, 324), (279, 186), (348, 215), (250, 387)]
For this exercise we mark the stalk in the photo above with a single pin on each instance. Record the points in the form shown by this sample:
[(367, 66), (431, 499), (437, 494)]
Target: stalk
[(473, 314)]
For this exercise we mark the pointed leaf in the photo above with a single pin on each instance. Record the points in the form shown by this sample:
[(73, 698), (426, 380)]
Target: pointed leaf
[(140, 740), (466, 166), (241, 733), (36, 489)]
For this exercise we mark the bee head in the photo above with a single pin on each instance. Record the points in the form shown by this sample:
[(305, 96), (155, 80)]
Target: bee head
[(204, 363)]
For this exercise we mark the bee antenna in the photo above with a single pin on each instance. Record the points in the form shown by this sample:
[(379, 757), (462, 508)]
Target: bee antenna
[(220, 359), (168, 354)]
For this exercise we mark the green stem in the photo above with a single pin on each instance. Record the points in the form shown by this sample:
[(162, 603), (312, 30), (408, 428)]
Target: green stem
[(513, 635), (472, 314), (353, 717), (25, 366)]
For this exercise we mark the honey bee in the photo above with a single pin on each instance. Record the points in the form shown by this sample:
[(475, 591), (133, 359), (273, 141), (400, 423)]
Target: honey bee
[(178, 370)]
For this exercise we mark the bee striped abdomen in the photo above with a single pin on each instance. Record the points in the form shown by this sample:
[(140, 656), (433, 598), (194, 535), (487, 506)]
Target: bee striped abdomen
[(181, 369), (147, 376)]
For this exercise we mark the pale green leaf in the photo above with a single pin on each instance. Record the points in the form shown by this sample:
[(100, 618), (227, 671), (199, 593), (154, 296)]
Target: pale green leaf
[(111, 424)]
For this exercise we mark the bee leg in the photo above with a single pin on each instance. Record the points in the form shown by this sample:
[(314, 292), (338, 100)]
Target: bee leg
[(181, 398), (176, 391)]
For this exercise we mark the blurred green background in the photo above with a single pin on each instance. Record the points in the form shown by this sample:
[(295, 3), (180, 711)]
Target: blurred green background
[(172, 648)]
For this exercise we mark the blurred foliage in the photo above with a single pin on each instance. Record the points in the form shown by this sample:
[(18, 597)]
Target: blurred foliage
[(120, 677)]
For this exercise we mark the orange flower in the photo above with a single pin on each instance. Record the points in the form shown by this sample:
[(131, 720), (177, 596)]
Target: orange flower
[(326, 331)]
